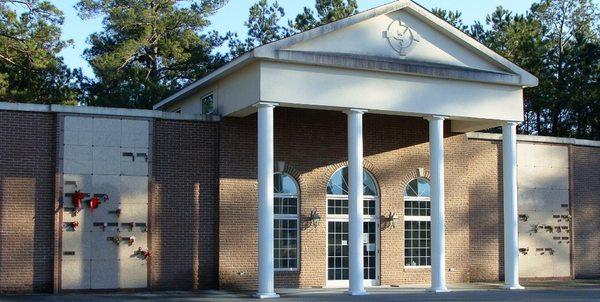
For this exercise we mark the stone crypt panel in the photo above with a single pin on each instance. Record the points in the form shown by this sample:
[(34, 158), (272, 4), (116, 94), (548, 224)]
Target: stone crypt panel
[(105, 166)]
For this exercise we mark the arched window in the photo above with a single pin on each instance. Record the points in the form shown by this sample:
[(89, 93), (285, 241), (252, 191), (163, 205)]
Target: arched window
[(338, 183), (417, 223), (286, 223), (337, 192)]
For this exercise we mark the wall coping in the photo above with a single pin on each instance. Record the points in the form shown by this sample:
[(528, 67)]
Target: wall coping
[(537, 139), (108, 111)]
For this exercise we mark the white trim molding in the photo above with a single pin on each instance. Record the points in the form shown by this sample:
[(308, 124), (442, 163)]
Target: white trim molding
[(90, 110), (536, 139)]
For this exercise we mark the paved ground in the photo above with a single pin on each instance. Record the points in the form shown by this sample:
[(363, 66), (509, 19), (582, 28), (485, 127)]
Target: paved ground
[(538, 291)]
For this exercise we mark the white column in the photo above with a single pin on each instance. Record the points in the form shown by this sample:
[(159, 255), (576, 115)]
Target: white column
[(266, 284), (511, 240), (355, 201), (438, 242)]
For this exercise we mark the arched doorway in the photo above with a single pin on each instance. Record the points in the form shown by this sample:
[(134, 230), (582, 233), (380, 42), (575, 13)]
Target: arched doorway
[(337, 229)]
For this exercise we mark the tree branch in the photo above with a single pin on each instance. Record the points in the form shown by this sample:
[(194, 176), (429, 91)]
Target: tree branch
[(9, 60), (23, 2)]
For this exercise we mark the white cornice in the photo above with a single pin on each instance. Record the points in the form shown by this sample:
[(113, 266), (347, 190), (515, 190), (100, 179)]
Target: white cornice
[(536, 139), (88, 110)]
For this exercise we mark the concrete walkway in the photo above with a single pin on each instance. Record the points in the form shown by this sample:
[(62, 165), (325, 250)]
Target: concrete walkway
[(538, 291)]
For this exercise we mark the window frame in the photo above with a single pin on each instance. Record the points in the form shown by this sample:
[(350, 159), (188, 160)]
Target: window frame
[(204, 97), (295, 217), (416, 218), (345, 218)]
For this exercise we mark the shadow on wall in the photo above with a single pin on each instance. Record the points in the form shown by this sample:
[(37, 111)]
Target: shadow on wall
[(586, 211), (486, 211), (27, 167), (184, 205), (314, 142), (301, 135)]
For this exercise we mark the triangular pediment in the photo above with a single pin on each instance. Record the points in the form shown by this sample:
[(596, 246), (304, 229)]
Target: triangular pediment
[(400, 38), (400, 32), (397, 35)]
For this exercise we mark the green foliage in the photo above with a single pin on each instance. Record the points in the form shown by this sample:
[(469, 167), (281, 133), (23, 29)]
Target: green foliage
[(570, 33), (558, 41), (31, 70), (148, 49), (333, 10), (327, 11), (452, 17), (263, 27), (264, 22)]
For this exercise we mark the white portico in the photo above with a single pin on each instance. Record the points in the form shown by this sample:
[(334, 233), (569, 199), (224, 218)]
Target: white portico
[(396, 59)]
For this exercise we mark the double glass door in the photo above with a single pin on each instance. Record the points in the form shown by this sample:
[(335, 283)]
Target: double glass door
[(337, 249)]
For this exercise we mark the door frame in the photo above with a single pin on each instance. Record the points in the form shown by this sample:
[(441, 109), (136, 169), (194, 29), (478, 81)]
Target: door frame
[(345, 218)]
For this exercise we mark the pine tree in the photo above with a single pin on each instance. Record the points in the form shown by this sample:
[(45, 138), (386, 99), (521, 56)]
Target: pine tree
[(565, 23), (31, 70), (148, 49), (263, 27), (452, 17), (327, 11)]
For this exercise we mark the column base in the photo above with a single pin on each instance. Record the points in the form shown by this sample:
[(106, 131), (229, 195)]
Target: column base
[(265, 295), (439, 290), (513, 287), (357, 293)]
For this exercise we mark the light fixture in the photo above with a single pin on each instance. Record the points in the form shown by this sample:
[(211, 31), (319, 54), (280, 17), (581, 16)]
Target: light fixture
[(393, 218), (421, 172), (314, 217), (280, 166)]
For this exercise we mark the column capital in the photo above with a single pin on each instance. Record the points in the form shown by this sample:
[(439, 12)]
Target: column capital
[(265, 104), (511, 123), (355, 111), (435, 118)]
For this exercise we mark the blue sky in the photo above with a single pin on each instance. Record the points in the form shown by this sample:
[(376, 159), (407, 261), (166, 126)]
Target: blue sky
[(233, 15)]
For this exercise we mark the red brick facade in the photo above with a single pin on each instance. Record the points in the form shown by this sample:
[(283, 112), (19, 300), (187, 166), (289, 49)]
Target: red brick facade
[(203, 209), (313, 143), (27, 168), (184, 217), (585, 164), (485, 210)]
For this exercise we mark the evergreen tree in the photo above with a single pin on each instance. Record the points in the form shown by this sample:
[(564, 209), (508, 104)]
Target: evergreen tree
[(452, 17), (558, 41), (519, 38), (31, 70), (567, 24), (263, 27), (148, 49), (327, 11)]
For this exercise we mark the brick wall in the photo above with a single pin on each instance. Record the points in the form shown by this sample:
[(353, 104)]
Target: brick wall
[(184, 205), (586, 211), (27, 170), (485, 210), (203, 199), (313, 144)]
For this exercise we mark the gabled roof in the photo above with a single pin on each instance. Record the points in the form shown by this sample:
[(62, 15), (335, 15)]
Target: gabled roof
[(514, 75)]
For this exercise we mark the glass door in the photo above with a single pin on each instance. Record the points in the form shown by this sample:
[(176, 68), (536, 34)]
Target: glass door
[(337, 252), (370, 250)]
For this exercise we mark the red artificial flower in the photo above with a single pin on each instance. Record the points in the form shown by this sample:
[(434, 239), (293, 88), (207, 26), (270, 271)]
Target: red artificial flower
[(77, 198), (94, 202), (146, 254)]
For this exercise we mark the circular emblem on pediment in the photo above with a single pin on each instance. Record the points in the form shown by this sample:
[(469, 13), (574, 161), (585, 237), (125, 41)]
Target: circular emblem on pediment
[(401, 37)]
